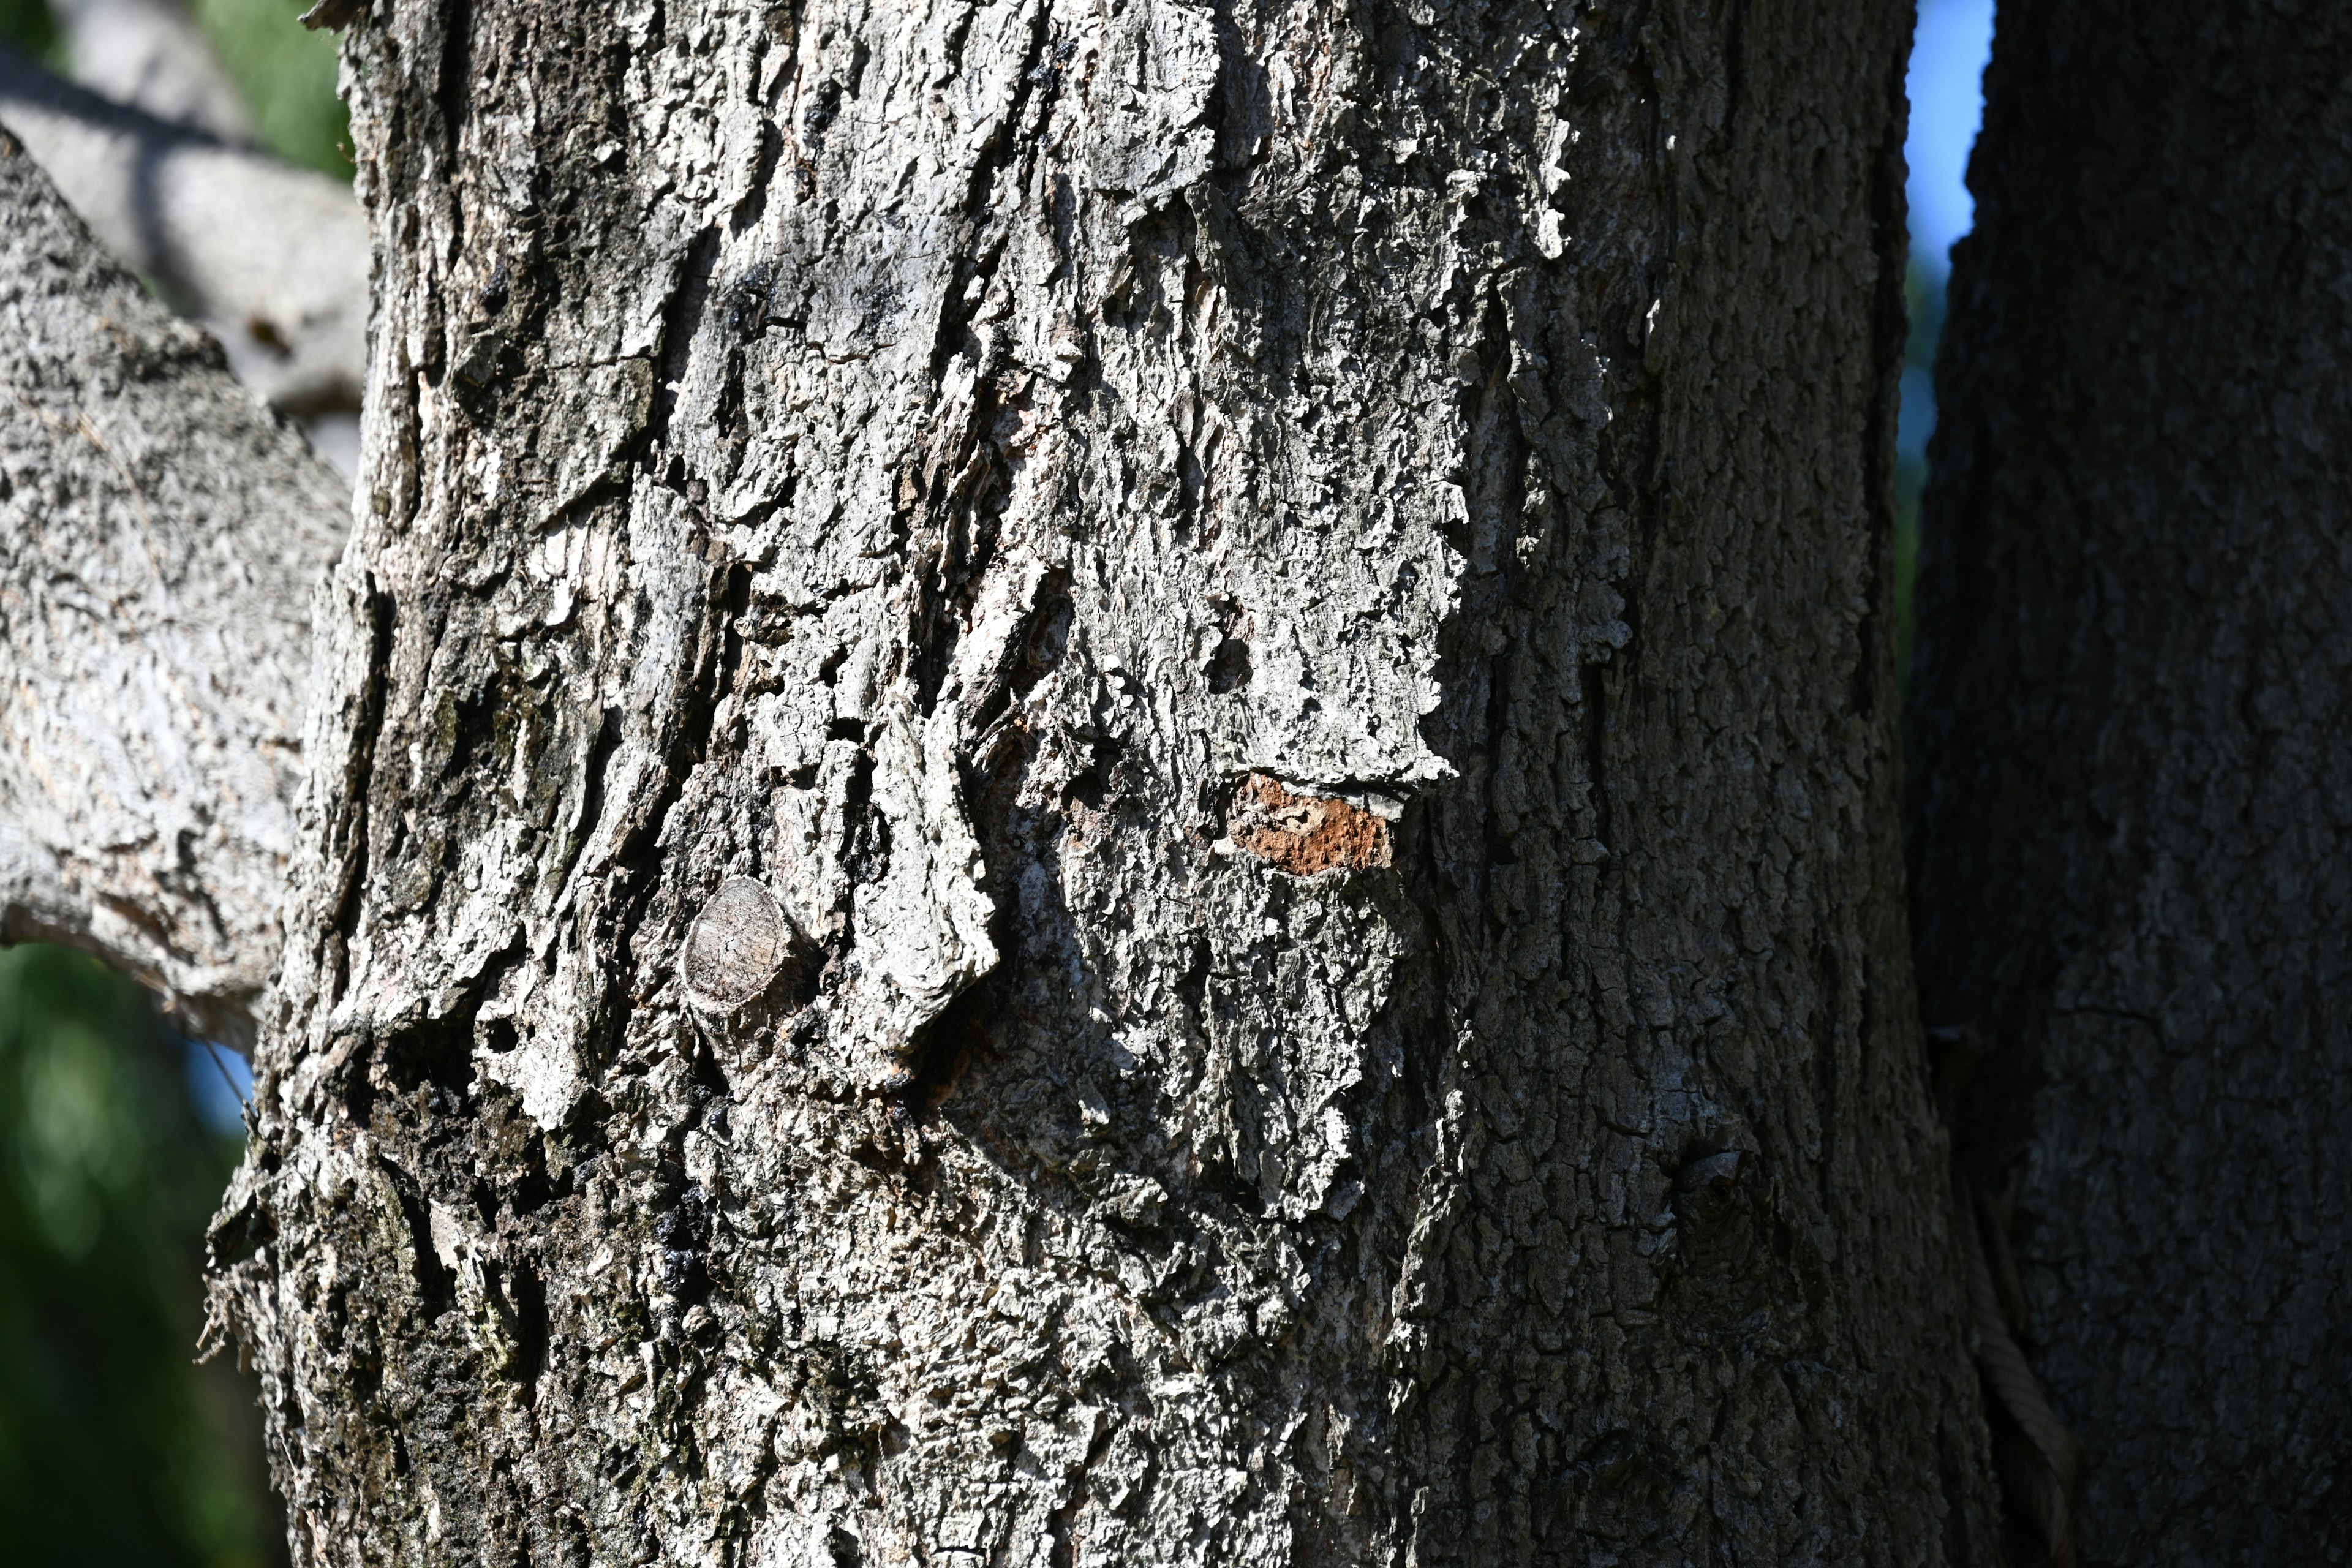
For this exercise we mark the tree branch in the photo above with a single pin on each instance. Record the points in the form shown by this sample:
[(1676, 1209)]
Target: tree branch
[(272, 257), (160, 535), (151, 54)]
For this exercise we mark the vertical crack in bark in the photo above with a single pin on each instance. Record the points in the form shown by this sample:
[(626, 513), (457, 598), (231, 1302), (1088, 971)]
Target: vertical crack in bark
[(382, 621), (455, 91), (2037, 1457), (681, 326)]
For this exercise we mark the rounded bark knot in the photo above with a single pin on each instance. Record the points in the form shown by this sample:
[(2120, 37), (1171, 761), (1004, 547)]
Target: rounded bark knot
[(1713, 1172), (1305, 834), (740, 941)]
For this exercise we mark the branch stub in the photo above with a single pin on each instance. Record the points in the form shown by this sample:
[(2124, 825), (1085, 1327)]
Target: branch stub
[(739, 942)]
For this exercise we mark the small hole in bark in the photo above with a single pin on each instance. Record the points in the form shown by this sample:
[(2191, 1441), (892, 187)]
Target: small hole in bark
[(945, 1048), (1229, 667), (1091, 788), (535, 1186), (1049, 633), (1245, 1196), (746, 297), (527, 1293), (493, 297), (684, 1231), (436, 1286), (234, 1237), (435, 1055)]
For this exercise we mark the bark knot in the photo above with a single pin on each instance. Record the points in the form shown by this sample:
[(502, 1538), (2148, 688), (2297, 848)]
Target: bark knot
[(1305, 834), (739, 941)]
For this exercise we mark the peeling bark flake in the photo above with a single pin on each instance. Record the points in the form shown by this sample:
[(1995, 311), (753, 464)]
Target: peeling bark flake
[(1305, 835)]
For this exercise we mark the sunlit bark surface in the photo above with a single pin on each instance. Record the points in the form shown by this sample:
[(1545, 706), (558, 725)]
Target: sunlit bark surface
[(1113, 785), (161, 535)]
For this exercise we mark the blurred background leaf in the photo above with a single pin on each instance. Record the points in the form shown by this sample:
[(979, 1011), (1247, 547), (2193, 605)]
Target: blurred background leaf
[(286, 74), (27, 24), (115, 1448)]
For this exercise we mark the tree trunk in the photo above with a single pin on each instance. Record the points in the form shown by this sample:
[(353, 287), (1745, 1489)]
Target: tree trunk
[(2132, 732), (161, 535), (1114, 786)]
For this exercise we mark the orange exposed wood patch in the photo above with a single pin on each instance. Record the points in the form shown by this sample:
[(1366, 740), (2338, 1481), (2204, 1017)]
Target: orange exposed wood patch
[(1305, 834)]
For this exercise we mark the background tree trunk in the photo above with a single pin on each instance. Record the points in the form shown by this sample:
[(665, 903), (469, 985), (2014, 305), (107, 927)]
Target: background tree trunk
[(1114, 786), (2131, 744), (161, 535)]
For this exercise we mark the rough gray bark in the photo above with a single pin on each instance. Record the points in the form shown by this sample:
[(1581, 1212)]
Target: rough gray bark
[(273, 258), (2133, 673), (1113, 785), (161, 534)]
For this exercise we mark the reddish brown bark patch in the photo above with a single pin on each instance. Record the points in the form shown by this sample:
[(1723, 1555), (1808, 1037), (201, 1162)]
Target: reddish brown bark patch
[(1305, 834)]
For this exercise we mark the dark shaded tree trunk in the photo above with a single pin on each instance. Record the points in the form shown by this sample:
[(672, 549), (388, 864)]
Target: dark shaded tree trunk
[(2131, 747), (1114, 786)]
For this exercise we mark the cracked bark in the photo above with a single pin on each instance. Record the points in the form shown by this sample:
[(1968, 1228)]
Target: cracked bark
[(2131, 734), (1113, 786), (160, 537)]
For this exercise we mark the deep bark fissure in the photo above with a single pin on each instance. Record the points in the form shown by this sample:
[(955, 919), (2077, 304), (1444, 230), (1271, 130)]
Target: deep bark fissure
[(681, 324)]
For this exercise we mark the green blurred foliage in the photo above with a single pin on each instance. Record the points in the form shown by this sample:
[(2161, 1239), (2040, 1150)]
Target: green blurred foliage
[(286, 72), (115, 1446), (27, 24), (287, 76)]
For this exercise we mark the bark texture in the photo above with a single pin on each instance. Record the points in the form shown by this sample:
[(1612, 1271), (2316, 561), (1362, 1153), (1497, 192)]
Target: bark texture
[(272, 257), (1113, 785), (2134, 706), (161, 534)]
